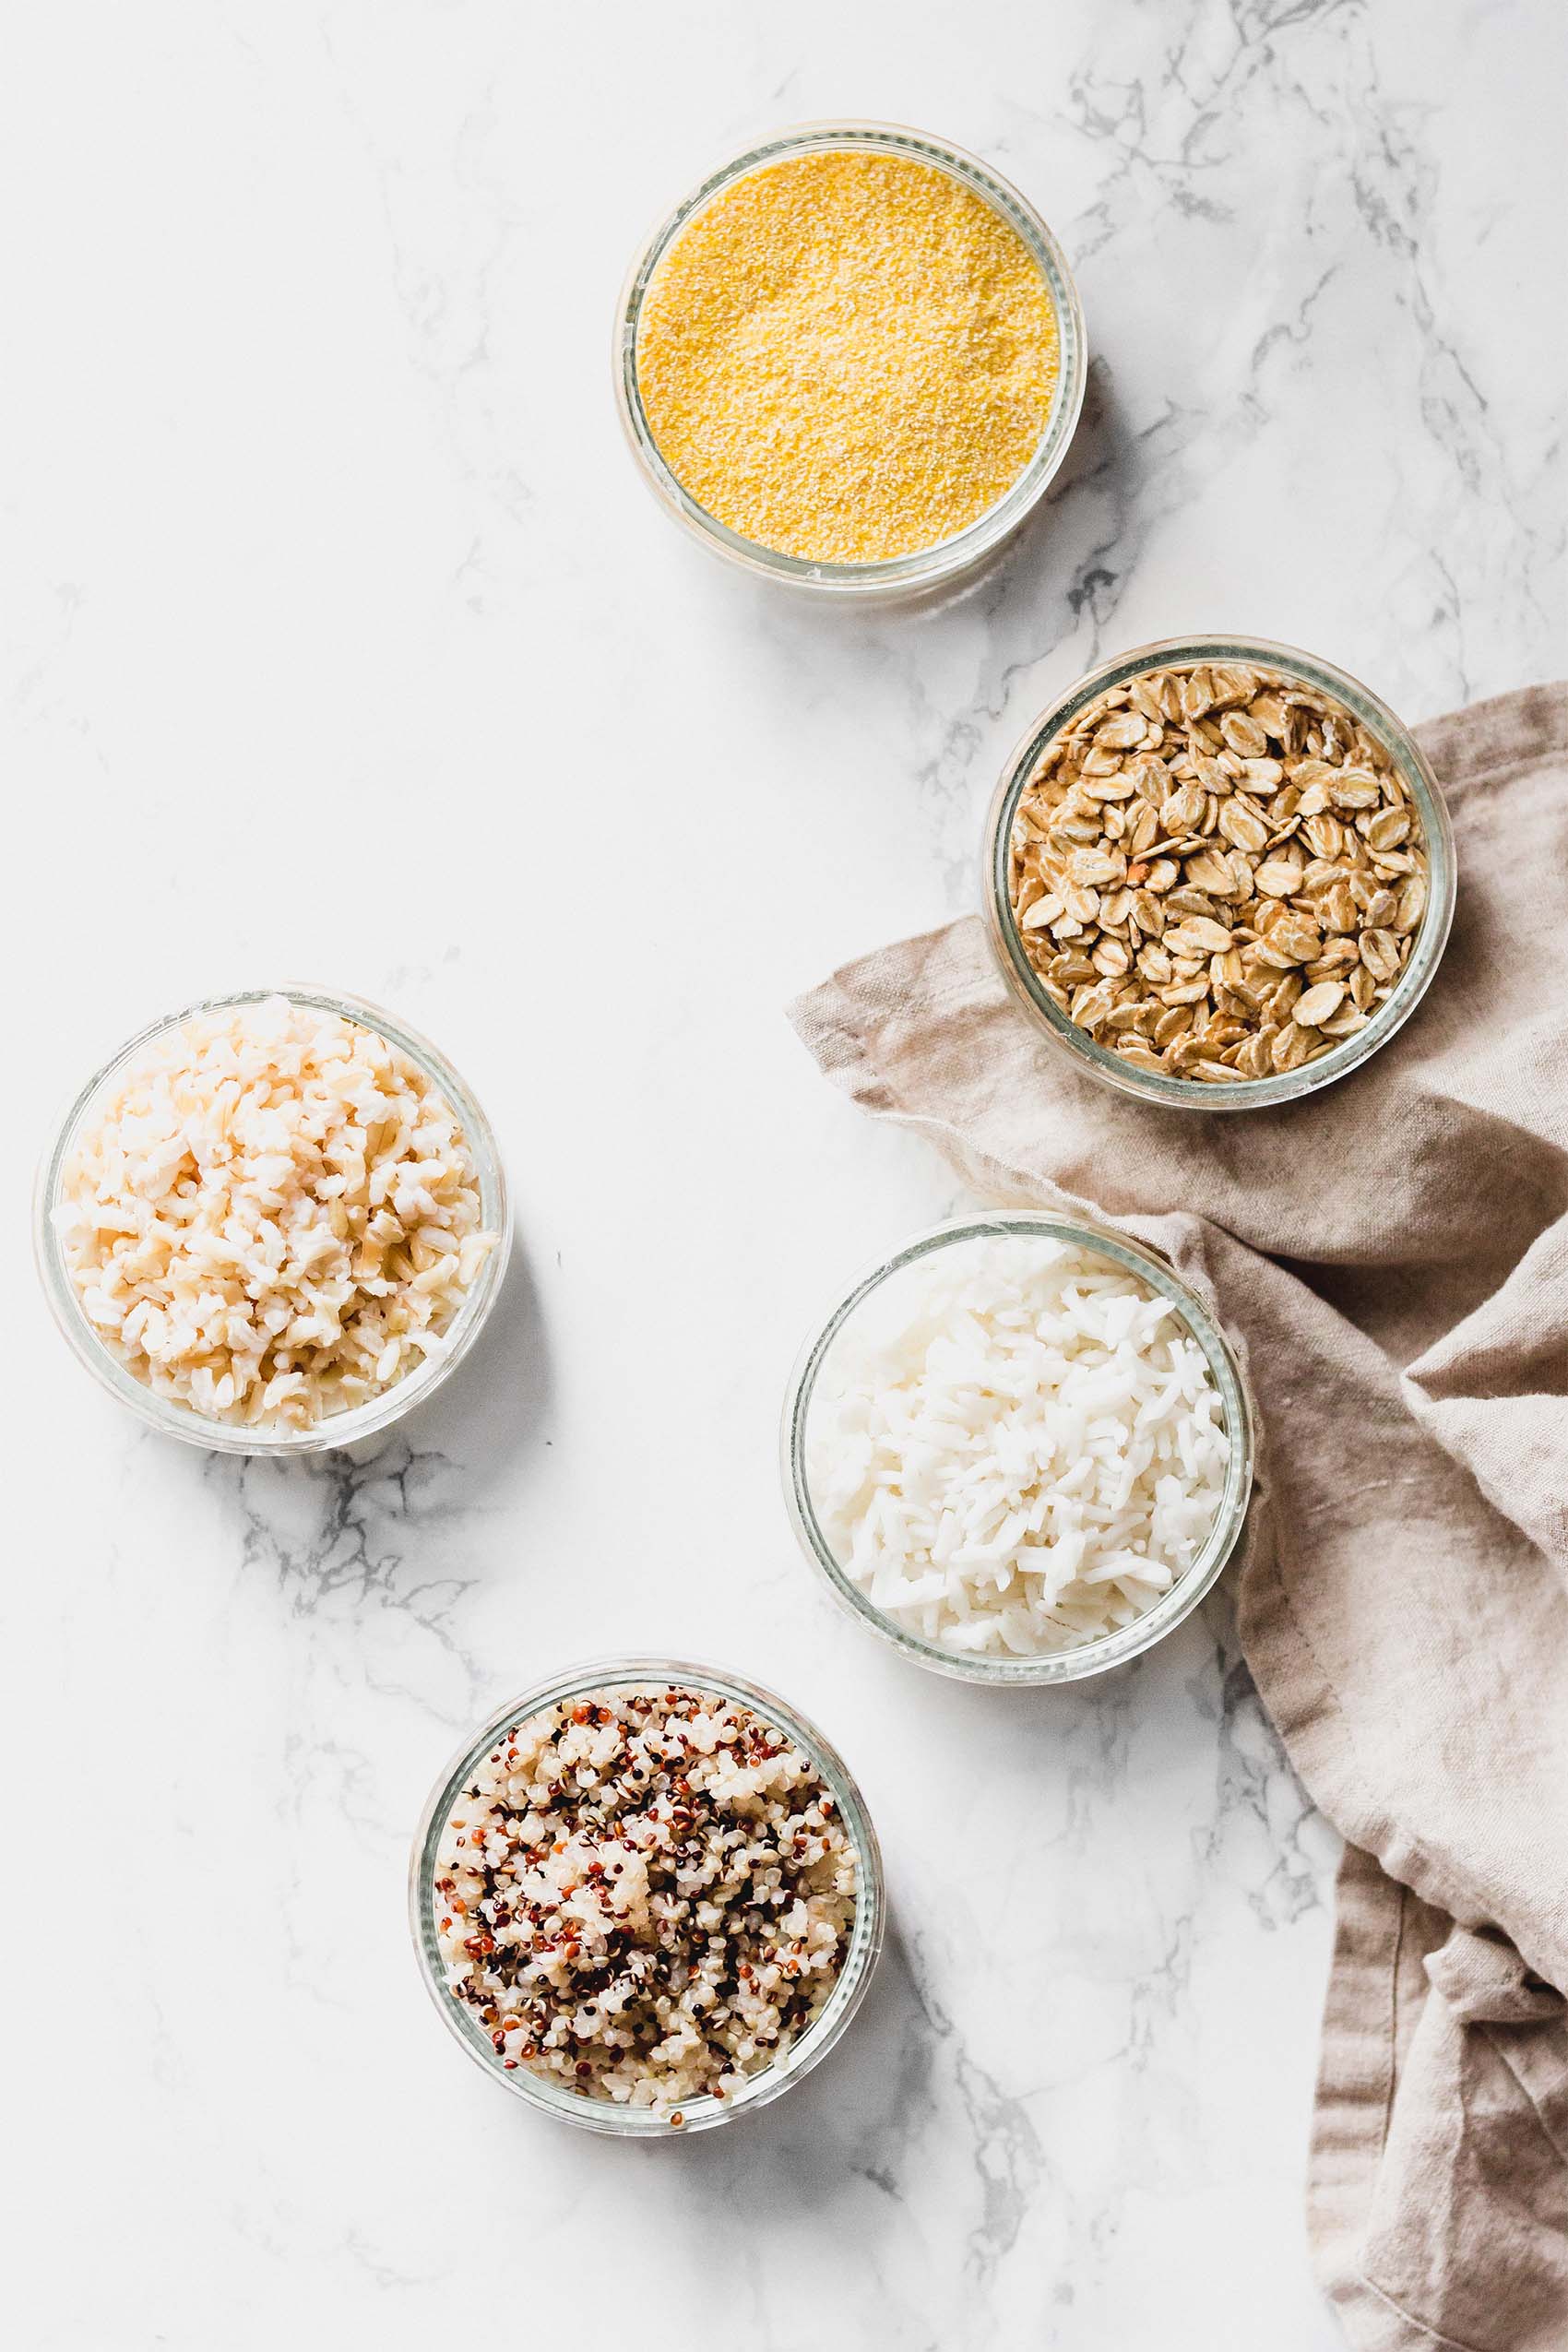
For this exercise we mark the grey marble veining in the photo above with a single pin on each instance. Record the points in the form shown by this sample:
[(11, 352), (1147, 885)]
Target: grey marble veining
[(342, 642)]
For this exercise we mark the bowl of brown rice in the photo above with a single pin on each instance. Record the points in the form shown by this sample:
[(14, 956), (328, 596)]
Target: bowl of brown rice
[(274, 1222), (647, 1896)]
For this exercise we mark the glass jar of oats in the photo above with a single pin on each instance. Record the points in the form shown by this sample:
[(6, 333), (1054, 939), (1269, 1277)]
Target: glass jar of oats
[(1219, 872)]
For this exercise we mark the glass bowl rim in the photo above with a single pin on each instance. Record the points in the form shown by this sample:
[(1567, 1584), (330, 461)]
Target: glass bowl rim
[(1247, 1094), (866, 1935), (339, 1430), (1225, 1364), (923, 567)]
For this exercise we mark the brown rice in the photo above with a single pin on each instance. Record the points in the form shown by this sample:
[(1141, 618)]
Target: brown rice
[(273, 1214)]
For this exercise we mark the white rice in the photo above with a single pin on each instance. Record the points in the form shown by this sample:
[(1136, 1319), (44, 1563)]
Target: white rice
[(1015, 1447), (273, 1217)]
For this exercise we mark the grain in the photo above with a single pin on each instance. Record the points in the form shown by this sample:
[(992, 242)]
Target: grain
[(646, 1894), (272, 1215), (1217, 873), (847, 356), (1015, 1447)]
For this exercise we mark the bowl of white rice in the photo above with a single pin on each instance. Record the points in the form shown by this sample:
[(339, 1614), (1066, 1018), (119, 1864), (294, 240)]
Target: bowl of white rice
[(647, 1897), (273, 1222), (1019, 1449)]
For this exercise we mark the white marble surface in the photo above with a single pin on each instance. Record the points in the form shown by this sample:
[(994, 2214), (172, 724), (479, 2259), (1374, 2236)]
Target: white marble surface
[(342, 641)]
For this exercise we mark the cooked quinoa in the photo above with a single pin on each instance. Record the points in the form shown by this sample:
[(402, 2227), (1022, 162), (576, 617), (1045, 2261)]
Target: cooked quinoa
[(646, 1893), (272, 1215)]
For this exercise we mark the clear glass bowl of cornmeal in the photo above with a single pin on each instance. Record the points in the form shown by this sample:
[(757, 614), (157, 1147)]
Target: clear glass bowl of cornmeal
[(852, 359)]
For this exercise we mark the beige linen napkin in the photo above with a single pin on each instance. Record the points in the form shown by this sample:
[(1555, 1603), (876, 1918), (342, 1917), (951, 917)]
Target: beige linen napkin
[(1391, 1256)]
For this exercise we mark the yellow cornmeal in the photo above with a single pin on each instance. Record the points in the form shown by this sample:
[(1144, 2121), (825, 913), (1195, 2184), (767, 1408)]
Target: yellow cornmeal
[(847, 356)]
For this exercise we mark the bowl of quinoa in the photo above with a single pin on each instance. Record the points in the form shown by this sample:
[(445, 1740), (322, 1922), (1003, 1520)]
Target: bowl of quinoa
[(647, 1896), (852, 360), (272, 1222)]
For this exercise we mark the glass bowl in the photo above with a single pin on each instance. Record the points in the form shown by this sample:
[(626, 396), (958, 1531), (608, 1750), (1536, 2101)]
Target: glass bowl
[(1247, 1094), (928, 567), (705, 2113), (1128, 1641), (173, 1420)]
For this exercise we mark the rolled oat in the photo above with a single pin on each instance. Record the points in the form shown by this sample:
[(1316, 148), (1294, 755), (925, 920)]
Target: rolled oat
[(1217, 873)]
